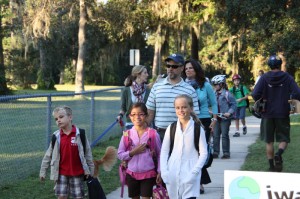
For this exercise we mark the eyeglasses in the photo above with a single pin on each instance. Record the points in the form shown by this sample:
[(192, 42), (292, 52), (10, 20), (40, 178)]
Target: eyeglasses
[(172, 66), (137, 115)]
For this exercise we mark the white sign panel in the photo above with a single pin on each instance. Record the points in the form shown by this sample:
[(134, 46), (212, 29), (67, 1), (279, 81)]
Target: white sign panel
[(261, 185), (134, 57)]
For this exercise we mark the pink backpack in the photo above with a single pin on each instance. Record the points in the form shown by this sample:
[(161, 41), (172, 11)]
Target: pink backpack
[(160, 193), (128, 143)]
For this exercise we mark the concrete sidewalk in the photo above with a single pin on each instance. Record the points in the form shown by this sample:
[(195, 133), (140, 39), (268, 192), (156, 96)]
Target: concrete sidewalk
[(239, 150)]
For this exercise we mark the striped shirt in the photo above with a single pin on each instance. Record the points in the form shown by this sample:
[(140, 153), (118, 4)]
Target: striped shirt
[(161, 100)]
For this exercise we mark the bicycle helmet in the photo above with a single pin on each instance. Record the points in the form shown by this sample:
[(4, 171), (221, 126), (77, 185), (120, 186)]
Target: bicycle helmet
[(236, 76), (218, 79), (274, 61)]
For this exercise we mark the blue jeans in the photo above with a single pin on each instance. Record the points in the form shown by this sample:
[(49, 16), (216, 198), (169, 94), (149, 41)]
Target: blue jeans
[(222, 127)]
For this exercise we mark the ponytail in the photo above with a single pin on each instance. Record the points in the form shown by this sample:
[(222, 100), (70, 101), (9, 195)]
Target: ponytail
[(195, 118)]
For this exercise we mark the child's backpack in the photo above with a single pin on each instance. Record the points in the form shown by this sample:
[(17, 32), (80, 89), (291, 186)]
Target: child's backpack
[(243, 94), (128, 143), (209, 158), (160, 193), (82, 138)]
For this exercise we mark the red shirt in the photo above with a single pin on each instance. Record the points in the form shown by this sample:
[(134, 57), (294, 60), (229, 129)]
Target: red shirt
[(70, 164)]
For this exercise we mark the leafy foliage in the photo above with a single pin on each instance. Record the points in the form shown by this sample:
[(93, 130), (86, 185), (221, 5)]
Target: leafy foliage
[(228, 36)]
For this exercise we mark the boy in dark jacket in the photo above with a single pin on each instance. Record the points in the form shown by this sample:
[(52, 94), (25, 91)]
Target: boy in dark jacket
[(276, 88)]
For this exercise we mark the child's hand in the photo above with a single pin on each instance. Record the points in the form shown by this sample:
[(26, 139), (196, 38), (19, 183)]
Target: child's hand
[(158, 179), (138, 149)]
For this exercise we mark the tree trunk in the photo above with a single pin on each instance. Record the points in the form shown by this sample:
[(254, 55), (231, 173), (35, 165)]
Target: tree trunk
[(79, 81), (233, 65), (61, 77), (156, 68), (283, 58), (194, 44), (3, 86)]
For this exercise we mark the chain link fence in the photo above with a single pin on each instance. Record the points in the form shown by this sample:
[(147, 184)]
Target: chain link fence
[(26, 126)]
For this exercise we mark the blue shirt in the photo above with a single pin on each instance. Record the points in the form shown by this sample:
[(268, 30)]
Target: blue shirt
[(207, 98)]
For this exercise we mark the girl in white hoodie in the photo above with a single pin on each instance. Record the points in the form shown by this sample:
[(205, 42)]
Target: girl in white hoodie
[(181, 172)]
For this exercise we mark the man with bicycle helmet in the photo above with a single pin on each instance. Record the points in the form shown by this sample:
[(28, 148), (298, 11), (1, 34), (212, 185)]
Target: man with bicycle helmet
[(226, 108), (276, 87), (240, 92)]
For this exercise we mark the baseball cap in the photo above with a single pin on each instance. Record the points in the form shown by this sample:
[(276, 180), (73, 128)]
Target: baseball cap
[(178, 58)]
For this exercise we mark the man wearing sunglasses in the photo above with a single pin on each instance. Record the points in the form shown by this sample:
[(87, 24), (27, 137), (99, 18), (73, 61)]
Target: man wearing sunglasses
[(160, 102)]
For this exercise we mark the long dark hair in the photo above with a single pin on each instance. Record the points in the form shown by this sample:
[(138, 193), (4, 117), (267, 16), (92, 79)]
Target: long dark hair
[(200, 74)]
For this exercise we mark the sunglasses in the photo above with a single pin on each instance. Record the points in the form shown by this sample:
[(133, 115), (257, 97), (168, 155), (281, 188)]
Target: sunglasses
[(172, 66)]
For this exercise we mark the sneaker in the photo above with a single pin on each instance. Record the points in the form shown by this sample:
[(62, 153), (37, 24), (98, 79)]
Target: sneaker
[(201, 189), (215, 155), (278, 162), (237, 134), (244, 130), (225, 156)]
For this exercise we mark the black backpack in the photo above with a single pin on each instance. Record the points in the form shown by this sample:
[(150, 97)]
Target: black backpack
[(82, 138), (209, 158)]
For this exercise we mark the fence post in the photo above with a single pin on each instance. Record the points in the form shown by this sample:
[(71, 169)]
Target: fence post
[(48, 126), (92, 124)]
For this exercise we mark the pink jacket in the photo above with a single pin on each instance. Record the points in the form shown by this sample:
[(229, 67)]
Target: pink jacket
[(142, 162)]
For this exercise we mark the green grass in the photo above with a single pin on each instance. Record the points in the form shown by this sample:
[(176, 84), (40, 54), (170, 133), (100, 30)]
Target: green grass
[(32, 188), (23, 141), (256, 159), (59, 88)]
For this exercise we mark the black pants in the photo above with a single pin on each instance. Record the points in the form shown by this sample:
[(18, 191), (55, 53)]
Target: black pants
[(161, 133), (205, 178)]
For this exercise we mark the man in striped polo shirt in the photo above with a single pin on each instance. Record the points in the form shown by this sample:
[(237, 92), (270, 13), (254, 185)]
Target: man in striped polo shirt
[(160, 102)]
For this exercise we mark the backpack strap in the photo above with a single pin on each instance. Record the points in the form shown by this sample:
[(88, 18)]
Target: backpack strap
[(53, 140), (127, 140), (226, 95), (242, 91), (122, 169), (82, 138), (152, 139), (196, 135), (172, 137)]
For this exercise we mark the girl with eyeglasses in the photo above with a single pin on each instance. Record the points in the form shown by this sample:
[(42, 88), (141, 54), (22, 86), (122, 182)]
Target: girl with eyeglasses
[(140, 148)]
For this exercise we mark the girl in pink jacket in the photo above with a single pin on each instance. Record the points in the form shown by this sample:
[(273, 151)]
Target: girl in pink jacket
[(140, 149)]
